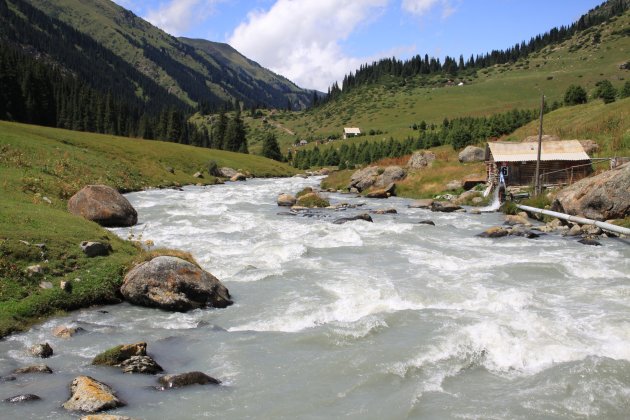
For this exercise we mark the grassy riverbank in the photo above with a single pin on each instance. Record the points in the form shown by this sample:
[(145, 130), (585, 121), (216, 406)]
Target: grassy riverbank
[(40, 169)]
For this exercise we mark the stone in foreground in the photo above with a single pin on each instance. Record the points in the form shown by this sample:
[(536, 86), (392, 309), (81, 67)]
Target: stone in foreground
[(173, 284), (141, 364), (103, 205), (91, 396), (185, 379)]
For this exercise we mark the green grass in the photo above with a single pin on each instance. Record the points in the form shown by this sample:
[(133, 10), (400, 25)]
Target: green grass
[(40, 168)]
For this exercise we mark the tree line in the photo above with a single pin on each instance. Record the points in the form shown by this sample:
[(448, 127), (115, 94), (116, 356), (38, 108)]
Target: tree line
[(418, 65), (458, 132)]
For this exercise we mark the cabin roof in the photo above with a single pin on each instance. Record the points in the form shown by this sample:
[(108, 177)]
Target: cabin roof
[(352, 130), (570, 150)]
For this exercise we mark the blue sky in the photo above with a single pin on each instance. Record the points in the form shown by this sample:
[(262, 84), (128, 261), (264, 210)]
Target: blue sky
[(317, 42)]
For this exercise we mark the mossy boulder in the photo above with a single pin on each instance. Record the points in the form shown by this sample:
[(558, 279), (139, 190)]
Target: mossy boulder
[(312, 200), (304, 191), (117, 355)]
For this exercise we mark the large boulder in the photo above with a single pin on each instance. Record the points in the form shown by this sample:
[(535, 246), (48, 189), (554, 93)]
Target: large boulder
[(103, 205), (227, 172), (286, 200), (43, 350), (472, 154), (91, 396), (389, 175), (601, 197), (386, 192), (421, 160), (364, 178), (173, 284)]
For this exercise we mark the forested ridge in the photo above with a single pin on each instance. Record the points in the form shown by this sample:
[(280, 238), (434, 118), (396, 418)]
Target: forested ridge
[(452, 67)]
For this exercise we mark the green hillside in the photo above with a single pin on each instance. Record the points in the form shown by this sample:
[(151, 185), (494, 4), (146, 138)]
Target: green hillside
[(392, 105), (191, 71), (40, 169)]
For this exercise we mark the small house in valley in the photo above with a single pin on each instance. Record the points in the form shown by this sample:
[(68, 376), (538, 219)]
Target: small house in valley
[(351, 132), (561, 162)]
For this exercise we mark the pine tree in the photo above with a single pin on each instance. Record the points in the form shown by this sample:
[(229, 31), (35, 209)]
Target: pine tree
[(270, 148)]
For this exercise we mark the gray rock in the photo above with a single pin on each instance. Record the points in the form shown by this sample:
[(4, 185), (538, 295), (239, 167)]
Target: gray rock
[(444, 206), (35, 270), (187, 379), (227, 172), (198, 175), (384, 211), (43, 351), (103, 205), (22, 398), (421, 160), (390, 175), (95, 249), (46, 285), (33, 369), (366, 217), (173, 284), (364, 178), (589, 241), (141, 364), (421, 204), (601, 197), (472, 154), (426, 222)]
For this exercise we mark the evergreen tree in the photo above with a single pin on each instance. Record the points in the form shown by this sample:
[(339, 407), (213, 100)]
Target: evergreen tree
[(625, 90), (270, 148)]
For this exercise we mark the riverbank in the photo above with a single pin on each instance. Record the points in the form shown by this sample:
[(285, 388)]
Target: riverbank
[(40, 169)]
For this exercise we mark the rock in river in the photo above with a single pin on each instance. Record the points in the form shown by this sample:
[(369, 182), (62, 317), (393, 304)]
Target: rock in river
[(173, 284), (363, 216), (103, 205), (186, 379), (91, 396)]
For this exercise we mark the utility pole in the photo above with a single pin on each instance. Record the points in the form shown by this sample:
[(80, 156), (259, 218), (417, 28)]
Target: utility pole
[(537, 186)]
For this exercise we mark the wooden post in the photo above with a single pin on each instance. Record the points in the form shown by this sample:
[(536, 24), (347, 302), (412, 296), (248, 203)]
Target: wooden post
[(537, 186)]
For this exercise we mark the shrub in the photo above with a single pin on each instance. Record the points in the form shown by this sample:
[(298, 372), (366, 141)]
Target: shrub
[(213, 168), (575, 95), (312, 200), (605, 91)]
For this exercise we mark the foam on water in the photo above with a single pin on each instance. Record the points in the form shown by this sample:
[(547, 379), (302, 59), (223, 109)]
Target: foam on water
[(371, 320)]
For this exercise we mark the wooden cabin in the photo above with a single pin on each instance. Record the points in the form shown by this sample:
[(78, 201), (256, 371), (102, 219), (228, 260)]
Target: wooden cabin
[(561, 162)]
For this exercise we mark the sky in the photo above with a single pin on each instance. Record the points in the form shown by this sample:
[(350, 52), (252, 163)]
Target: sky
[(316, 42)]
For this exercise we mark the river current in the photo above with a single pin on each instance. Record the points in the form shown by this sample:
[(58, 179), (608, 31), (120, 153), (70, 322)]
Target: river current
[(385, 320)]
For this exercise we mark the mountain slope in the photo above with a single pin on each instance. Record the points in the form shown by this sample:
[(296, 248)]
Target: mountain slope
[(192, 75), (392, 105)]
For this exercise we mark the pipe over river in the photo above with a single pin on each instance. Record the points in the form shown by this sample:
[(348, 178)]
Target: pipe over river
[(580, 220)]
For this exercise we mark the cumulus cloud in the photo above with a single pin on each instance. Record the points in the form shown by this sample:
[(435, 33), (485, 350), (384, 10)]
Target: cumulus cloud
[(422, 7), (302, 40), (178, 16)]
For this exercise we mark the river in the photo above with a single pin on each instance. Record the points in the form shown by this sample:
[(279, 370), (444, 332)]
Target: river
[(384, 320)]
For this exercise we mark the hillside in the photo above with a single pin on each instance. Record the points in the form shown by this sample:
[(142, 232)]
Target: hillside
[(41, 168), (393, 105), (148, 62)]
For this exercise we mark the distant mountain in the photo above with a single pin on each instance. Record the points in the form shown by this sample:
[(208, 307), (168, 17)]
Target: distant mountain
[(112, 49)]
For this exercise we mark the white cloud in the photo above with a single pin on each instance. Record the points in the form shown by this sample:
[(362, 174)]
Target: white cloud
[(422, 7), (178, 16), (301, 39)]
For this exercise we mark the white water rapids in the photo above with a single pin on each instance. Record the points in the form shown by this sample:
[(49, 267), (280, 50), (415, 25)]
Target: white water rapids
[(384, 320)]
